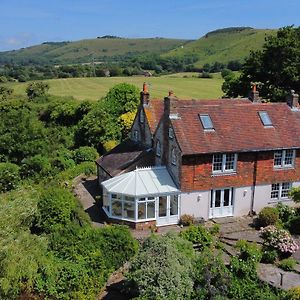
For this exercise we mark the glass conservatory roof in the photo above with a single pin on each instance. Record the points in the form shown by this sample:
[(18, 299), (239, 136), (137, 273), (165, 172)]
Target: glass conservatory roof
[(142, 182)]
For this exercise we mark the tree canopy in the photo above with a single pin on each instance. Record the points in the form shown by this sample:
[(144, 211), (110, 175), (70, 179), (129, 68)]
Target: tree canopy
[(276, 68)]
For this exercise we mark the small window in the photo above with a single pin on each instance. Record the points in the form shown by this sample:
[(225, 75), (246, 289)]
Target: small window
[(171, 133), (206, 122), (142, 116), (158, 149), (135, 135), (284, 158), (173, 158), (264, 117), (280, 190)]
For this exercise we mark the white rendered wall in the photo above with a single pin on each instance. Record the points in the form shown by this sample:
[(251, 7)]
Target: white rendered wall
[(263, 197), (195, 204), (242, 201)]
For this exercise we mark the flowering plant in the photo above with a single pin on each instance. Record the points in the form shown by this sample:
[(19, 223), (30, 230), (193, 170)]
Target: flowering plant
[(278, 239)]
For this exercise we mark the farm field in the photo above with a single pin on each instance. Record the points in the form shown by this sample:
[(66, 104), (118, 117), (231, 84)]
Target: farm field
[(95, 88)]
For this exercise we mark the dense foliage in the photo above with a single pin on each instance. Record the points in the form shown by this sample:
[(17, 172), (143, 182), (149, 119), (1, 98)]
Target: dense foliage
[(276, 68)]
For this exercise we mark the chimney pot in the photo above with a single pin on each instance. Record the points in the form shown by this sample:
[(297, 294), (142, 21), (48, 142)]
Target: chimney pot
[(254, 95), (292, 99), (145, 96)]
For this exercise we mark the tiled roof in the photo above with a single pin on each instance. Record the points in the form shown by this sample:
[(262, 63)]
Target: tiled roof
[(237, 126), (154, 112), (125, 157)]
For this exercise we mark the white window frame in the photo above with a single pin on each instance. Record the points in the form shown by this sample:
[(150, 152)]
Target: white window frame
[(158, 149), (280, 190), (223, 168), (283, 156), (173, 157)]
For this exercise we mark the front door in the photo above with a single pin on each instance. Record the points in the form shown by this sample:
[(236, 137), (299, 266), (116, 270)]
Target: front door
[(168, 210), (221, 203)]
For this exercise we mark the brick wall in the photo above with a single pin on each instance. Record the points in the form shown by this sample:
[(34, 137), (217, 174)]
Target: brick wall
[(196, 172)]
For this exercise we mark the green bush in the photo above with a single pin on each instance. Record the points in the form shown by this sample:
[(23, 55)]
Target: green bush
[(293, 225), (9, 176), (285, 212), (215, 229), (269, 256), (198, 235), (161, 271), (294, 294), (248, 251), (63, 159), (186, 220), (56, 207), (36, 166), (85, 153), (287, 264), (268, 216)]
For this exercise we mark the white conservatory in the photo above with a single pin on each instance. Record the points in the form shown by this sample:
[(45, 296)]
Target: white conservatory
[(142, 195)]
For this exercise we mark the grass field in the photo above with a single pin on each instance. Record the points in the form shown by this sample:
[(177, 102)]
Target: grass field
[(95, 88)]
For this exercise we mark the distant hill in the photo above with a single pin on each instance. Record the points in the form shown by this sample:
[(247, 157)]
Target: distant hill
[(223, 45), (83, 51)]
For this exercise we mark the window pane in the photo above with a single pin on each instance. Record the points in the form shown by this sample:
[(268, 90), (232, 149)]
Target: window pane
[(226, 197), (142, 211), (116, 196), (275, 191), (286, 186), (174, 205), (162, 206), (129, 210), (128, 198), (264, 116), (278, 158), (217, 162), (206, 122), (289, 155), (116, 208), (229, 162), (218, 198), (151, 210)]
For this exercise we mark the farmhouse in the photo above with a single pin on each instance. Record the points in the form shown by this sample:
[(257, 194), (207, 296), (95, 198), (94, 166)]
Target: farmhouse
[(207, 158)]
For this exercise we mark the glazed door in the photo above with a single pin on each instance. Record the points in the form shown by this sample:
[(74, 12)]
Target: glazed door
[(221, 203), (168, 210)]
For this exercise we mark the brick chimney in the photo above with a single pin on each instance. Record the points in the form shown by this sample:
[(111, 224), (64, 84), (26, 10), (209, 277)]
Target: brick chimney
[(254, 95), (145, 96), (292, 99)]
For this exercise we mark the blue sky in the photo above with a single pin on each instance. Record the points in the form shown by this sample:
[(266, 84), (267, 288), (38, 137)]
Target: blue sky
[(29, 22)]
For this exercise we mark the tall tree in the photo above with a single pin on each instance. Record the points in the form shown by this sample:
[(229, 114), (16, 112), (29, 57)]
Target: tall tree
[(276, 67)]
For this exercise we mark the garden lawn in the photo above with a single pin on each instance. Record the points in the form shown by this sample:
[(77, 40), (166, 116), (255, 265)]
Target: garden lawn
[(95, 88)]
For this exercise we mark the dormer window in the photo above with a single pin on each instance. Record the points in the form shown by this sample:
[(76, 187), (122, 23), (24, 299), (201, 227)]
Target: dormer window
[(265, 119), (142, 117), (171, 132), (173, 157), (206, 122), (284, 159), (158, 149)]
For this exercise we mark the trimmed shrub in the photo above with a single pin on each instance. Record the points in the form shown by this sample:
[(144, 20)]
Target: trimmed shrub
[(248, 251), (187, 220), (198, 235), (287, 264), (285, 212), (85, 153), (160, 270), (36, 166), (268, 216), (293, 225), (56, 207), (9, 176)]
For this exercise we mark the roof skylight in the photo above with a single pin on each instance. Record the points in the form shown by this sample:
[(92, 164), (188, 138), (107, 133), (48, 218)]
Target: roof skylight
[(264, 117), (206, 122)]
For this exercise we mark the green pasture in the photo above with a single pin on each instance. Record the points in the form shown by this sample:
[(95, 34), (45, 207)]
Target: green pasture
[(94, 88)]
